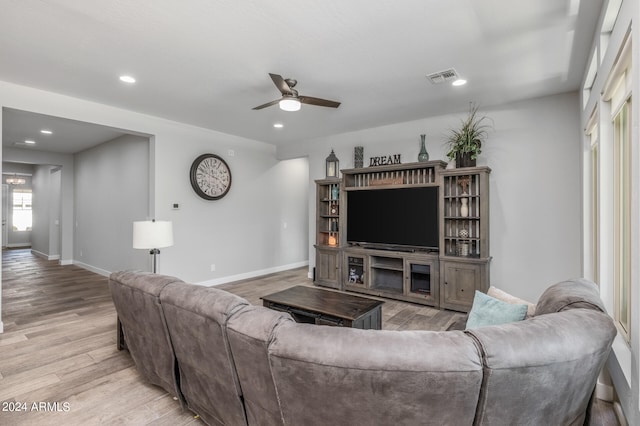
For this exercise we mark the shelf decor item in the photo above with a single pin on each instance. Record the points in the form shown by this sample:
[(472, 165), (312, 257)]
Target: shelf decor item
[(463, 233), (332, 165), (464, 207), (463, 248), (335, 192), (423, 155), (466, 142), (358, 157)]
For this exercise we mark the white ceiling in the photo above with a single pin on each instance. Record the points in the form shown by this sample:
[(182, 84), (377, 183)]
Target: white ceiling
[(206, 62)]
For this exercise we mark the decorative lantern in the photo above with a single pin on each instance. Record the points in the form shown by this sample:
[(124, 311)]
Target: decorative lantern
[(333, 165)]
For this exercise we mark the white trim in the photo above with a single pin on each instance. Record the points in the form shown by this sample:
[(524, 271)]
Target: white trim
[(19, 245), (98, 271), (617, 409), (1, 327), (252, 274), (623, 355), (45, 256), (65, 262), (604, 392)]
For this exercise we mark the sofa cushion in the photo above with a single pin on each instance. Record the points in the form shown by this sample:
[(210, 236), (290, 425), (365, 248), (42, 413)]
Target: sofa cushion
[(136, 296), (487, 310), (570, 294), (344, 376), (506, 297), (197, 318), (250, 333)]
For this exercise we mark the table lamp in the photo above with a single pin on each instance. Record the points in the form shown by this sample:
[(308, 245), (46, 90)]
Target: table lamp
[(152, 235)]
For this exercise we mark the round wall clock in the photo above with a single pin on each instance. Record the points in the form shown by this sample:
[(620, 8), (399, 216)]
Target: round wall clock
[(210, 177)]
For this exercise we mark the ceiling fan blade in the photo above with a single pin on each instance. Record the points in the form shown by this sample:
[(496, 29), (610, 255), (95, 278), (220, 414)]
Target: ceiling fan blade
[(282, 85), (319, 102), (268, 104)]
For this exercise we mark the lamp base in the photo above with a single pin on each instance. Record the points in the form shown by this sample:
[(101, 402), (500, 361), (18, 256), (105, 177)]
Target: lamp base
[(154, 252)]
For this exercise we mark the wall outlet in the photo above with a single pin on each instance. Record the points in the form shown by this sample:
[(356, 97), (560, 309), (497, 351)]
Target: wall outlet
[(231, 152), (175, 206), (213, 267)]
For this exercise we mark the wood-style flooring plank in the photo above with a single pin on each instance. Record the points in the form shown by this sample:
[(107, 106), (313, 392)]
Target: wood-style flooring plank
[(59, 347)]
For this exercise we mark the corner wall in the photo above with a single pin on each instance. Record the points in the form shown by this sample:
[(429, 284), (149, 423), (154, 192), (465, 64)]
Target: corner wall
[(112, 188)]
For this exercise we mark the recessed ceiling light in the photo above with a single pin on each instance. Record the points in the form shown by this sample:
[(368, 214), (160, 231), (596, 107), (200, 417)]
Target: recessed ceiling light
[(46, 132), (459, 82), (30, 142), (127, 79), (278, 125)]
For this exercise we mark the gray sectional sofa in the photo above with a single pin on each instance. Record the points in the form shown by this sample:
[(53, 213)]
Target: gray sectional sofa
[(236, 364)]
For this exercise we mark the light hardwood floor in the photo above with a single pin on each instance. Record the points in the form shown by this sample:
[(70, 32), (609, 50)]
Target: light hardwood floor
[(59, 347)]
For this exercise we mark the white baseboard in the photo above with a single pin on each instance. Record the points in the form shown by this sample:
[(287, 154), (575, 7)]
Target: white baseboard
[(93, 269), (252, 274), (45, 256), (1, 327), (19, 245), (64, 262)]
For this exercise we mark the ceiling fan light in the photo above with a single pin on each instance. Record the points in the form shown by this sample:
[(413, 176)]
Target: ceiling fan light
[(289, 104)]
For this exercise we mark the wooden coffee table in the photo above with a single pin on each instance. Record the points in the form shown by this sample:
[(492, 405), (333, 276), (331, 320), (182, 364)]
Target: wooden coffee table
[(324, 307)]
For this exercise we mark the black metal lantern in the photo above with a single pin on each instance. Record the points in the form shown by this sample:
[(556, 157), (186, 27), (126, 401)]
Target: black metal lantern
[(333, 165)]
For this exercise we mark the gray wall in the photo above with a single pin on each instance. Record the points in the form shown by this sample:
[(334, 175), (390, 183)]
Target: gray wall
[(534, 154), (46, 211), (111, 189)]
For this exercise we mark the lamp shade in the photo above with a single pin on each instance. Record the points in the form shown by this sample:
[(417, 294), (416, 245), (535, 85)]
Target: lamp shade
[(152, 234)]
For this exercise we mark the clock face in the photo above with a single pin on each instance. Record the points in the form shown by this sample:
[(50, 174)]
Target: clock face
[(210, 177)]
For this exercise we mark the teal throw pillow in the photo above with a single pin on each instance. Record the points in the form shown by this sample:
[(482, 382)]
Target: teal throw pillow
[(487, 310)]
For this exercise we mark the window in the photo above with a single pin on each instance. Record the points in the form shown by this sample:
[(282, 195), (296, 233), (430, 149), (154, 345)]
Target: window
[(617, 91), (622, 221), (592, 134), (22, 212)]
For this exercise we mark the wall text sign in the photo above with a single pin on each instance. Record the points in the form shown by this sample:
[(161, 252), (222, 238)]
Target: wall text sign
[(384, 160)]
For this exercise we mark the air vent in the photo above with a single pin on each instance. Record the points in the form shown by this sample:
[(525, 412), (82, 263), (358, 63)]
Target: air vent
[(443, 76)]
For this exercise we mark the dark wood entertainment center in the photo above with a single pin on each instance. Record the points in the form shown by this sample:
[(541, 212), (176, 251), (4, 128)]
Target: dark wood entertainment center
[(446, 277)]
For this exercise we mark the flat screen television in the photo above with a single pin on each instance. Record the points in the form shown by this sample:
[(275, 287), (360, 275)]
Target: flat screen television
[(402, 217)]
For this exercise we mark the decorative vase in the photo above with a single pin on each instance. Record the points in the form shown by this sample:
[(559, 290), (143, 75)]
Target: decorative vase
[(358, 157), (423, 155), (464, 208), (335, 192)]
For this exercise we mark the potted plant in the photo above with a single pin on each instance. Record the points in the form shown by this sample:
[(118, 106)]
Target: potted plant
[(466, 142)]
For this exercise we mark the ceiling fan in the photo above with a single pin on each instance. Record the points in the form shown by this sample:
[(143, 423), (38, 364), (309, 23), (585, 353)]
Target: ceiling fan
[(290, 100)]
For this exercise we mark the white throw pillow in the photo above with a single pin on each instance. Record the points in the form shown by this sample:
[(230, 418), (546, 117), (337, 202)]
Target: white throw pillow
[(506, 297)]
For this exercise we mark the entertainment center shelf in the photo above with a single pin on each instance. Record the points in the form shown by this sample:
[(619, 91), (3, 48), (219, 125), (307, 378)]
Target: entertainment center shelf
[(425, 241), (394, 176)]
